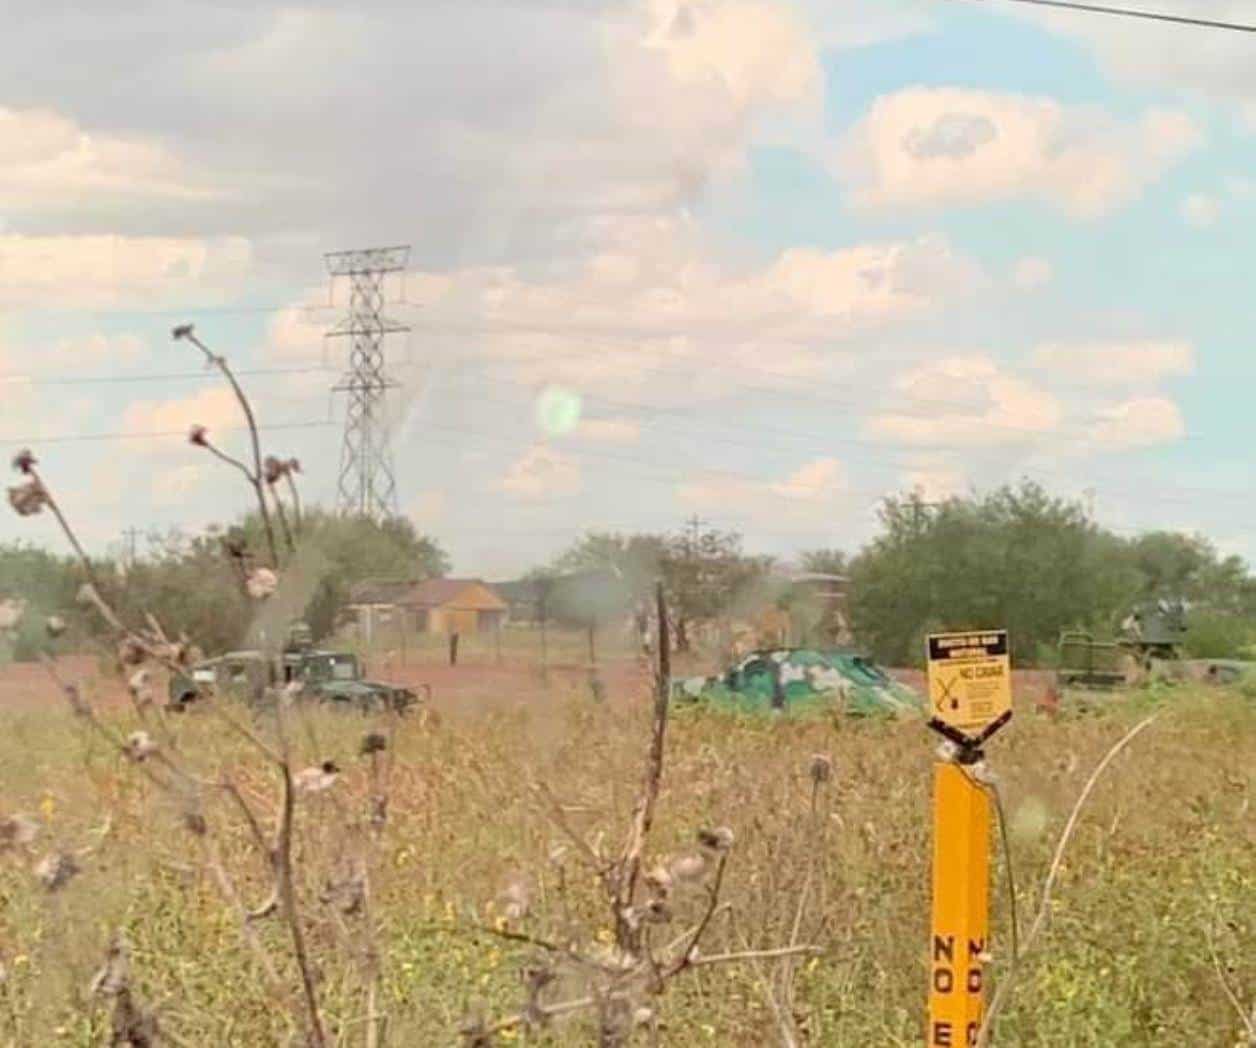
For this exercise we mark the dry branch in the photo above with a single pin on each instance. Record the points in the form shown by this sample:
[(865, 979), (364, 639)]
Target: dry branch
[(985, 1033)]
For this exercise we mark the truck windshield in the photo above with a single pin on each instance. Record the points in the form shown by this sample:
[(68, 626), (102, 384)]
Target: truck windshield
[(332, 667)]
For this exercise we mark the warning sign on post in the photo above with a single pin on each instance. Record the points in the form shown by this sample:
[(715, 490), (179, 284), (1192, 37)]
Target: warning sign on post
[(970, 678)]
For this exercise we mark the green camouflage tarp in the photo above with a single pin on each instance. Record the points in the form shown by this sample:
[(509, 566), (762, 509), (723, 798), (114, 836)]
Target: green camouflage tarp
[(792, 680)]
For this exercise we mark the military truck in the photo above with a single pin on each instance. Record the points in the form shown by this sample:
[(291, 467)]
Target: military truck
[(333, 678), (1149, 644)]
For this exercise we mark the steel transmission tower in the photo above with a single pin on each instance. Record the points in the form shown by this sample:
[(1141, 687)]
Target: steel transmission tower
[(367, 484)]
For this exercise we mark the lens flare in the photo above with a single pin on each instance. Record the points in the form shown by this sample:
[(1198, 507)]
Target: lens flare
[(557, 410)]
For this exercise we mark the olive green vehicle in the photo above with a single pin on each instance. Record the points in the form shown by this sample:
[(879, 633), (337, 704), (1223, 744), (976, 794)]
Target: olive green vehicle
[(332, 678), (802, 680), (1149, 644)]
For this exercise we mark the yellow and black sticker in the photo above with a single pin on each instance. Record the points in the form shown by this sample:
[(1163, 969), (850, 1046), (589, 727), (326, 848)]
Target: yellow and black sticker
[(970, 678)]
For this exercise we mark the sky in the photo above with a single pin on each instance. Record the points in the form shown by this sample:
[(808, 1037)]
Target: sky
[(762, 261)]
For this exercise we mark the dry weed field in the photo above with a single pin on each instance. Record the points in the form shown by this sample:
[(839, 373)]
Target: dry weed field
[(467, 908)]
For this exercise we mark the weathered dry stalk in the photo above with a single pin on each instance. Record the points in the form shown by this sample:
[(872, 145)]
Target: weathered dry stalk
[(629, 869), (289, 542), (156, 648), (986, 1032), (185, 331), (637, 971), (286, 888), (296, 500), (1248, 1019)]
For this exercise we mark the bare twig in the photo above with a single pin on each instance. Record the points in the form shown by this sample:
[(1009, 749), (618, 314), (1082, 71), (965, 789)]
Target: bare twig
[(687, 956), (1247, 1019), (559, 818), (643, 815), (296, 498), (286, 887), (214, 862), (283, 520), (255, 828), (1006, 984), (185, 331)]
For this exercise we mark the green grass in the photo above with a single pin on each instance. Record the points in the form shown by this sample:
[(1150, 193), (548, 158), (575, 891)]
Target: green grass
[(1164, 857)]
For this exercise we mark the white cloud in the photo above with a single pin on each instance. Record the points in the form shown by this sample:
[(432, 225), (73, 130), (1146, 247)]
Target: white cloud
[(47, 162), (649, 315), (758, 53), (1215, 62), (173, 486), (614, 107), (1138, 423), (542, 473), (966, 401), (215, 408), (817, 481), (1116, 363), (849, 24), (609, 430), (810, 493), (935, 481), (1032, 272), (103, 271), (1200, 210), (429, 509), (925, 146)]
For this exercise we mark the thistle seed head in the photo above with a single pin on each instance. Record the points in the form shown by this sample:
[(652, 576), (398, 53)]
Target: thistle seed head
[(28, 499), (24, 461), (140, 746), (261, 583), (56, 871), (719, 839), (373, 742), (687, 868), (17, 830), (316, 779)]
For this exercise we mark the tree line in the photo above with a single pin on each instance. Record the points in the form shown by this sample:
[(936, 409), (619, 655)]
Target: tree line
[(1016, 557), (188, 584)]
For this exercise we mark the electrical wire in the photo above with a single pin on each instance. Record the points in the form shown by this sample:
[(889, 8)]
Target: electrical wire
[(87, 438), (30, 380), (1129, 12), (1001, 815), (991, 789)]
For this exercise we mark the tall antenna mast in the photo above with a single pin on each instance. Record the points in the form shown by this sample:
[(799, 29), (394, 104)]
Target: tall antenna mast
[(367, 487)]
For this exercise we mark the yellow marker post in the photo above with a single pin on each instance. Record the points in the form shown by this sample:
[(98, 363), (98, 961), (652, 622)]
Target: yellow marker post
[(970, 693), (961, 898)]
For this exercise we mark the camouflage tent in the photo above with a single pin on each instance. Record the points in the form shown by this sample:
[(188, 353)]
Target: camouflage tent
[(800, 680)]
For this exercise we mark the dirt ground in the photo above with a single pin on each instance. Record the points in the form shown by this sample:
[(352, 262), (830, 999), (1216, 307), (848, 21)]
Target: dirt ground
[(473, 686)]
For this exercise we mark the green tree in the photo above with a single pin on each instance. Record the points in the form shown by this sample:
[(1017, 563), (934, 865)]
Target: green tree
[(1016, 558), (824, 561), (1175, 565), (353, 549), (706, 575), (189, 583), (636, 559), (46, 583)]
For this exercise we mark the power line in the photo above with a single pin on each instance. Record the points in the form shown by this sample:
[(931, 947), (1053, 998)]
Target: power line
[(1129, 12), (172, 376), (86, 438)]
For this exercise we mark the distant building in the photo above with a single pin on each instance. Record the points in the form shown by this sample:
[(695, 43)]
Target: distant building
[(441, 606)]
